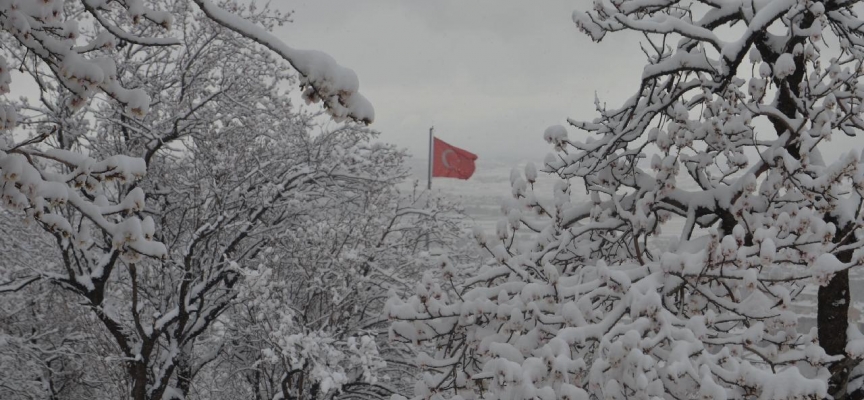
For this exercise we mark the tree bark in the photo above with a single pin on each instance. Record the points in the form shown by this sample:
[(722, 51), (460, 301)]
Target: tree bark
[(832, 322)]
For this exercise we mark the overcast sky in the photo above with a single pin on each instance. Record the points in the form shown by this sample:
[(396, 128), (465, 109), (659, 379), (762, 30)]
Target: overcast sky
[(491, 75)]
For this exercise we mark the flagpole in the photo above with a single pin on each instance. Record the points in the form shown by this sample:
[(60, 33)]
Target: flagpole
[(431, 151), (429, 176)]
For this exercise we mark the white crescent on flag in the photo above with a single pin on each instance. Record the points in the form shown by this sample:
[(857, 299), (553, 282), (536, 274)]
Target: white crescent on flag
[(444, 158)]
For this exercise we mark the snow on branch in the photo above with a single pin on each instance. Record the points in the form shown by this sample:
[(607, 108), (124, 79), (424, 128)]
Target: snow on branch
[(325, 79)]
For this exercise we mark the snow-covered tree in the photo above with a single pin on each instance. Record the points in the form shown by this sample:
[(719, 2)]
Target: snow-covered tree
[(72, 43), (68, 46), (227, 161), (48, 349), (309, 324), (739, 97)]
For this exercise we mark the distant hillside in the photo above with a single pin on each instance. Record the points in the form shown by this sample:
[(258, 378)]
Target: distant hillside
[(483, 193)]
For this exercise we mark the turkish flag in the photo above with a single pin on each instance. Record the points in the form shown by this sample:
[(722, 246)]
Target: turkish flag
[(451, 162)]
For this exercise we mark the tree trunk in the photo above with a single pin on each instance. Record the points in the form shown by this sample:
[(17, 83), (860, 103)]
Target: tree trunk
[(833, 320), (138, 373)]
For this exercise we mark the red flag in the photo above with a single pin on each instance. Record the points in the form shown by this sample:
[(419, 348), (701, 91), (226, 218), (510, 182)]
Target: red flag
[(451, 162)]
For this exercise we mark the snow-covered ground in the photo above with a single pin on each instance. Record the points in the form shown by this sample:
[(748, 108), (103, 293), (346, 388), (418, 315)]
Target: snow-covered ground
[(483, 193)]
